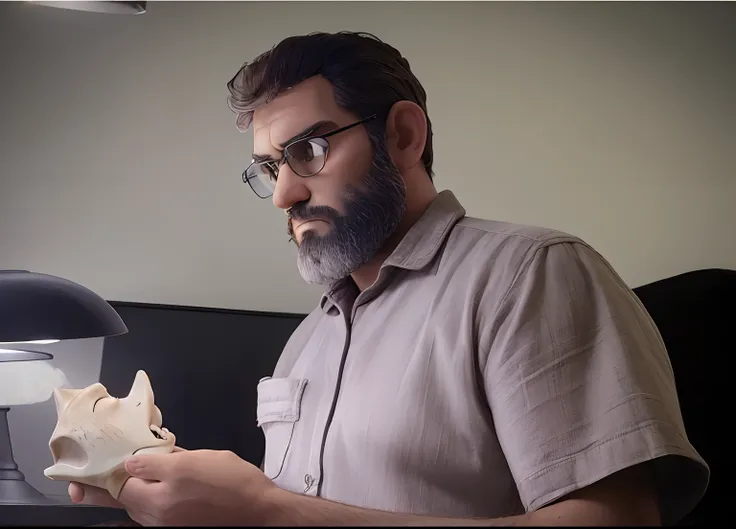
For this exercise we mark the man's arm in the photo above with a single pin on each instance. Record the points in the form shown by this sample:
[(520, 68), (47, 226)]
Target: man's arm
[(624, 498)]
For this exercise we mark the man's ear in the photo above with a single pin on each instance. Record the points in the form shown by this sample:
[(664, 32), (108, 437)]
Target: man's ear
[(406, 133)]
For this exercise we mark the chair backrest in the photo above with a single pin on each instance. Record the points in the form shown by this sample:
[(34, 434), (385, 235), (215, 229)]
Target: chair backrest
[(696, 316)]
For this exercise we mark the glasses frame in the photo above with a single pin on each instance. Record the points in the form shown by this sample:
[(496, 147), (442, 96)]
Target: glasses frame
[(275, 165)]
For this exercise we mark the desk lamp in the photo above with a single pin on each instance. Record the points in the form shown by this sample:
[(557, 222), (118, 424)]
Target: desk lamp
[(39, 308)]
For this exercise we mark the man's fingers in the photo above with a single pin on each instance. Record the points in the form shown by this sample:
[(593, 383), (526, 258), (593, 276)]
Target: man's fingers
[(88, 495), (147, 467), (153, 467), (76, 492), (138, 492)]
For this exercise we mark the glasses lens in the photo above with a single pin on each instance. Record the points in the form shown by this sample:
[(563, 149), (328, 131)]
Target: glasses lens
[(307, 157), (262, 178)]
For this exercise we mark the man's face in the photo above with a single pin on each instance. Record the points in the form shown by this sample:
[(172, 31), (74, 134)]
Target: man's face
[(340, 217)]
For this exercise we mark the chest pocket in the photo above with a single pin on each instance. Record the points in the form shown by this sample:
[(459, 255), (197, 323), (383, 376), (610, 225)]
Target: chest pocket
[(279, 406)]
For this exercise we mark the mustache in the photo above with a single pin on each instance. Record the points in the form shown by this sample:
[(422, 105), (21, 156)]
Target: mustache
[(303, 211)]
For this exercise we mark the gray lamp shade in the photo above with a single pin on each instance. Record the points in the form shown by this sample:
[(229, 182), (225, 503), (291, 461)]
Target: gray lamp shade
[(16, 355), (115, 7), (36, 306)]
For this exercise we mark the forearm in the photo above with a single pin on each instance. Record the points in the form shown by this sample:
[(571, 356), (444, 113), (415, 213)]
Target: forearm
[(618, 500), (288, 509)]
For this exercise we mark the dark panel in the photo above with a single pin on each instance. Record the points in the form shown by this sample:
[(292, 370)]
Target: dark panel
[(695, 313), (204, 365)]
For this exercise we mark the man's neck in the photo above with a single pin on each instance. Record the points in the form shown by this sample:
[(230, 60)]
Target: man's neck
[(367, 274)]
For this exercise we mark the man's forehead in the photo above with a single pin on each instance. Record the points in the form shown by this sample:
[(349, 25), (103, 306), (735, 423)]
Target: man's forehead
[(291, 112)]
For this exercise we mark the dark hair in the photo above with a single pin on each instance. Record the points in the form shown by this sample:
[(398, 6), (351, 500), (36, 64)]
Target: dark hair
[(367, 75)]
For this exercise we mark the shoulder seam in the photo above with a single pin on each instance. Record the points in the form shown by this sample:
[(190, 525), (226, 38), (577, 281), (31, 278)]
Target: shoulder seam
[(562, 237), (534, 250)]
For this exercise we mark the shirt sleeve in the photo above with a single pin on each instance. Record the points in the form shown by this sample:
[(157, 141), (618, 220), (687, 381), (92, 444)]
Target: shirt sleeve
[(580, 384)]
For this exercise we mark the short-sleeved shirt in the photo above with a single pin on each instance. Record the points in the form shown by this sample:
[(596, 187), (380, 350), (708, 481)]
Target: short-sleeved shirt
[(491, 369)]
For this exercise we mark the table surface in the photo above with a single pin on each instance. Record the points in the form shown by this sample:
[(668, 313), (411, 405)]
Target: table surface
[(59, 515)]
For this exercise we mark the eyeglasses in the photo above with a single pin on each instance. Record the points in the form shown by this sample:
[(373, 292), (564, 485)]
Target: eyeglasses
[(305, 156)]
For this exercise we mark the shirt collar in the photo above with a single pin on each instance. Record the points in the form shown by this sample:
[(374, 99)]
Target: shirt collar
[(419, 246)]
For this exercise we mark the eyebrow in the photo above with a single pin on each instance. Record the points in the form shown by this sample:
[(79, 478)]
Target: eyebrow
[(303, 134)]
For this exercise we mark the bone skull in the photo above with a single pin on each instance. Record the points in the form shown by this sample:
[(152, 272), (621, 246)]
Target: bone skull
[(95, 433)]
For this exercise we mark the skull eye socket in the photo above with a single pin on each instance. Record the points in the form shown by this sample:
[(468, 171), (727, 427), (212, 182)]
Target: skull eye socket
[(70, 451)]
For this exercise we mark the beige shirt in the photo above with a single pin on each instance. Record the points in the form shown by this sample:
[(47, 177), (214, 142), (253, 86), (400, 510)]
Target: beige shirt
[(491, 369)]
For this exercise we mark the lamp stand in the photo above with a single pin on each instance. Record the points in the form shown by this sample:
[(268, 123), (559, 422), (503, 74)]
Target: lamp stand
[(13, 485)]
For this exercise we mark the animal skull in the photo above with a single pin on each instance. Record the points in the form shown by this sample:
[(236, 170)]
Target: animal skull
[(95, 433)]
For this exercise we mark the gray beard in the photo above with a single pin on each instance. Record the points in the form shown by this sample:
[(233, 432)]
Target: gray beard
[(371, 216)]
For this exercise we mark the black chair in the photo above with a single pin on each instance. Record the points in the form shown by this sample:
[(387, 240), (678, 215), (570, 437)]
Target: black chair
[(695, 314)]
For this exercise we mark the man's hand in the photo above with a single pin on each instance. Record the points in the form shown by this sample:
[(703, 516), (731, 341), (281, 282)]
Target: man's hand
[(198, 487)]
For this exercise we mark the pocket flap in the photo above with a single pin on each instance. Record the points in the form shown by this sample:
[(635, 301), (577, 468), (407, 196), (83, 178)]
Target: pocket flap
[(279, 399)]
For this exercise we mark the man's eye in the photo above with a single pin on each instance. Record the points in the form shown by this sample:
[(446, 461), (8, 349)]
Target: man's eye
[(308, 152), (272, 169)]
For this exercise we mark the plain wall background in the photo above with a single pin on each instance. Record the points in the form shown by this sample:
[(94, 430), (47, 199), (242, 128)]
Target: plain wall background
[(120, 162)]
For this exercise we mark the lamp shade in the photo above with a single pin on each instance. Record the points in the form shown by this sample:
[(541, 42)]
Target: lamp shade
[(17, 355), (115, 7), (36, 306)]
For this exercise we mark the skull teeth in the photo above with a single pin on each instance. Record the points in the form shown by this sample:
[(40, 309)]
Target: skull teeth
[(158, 432)]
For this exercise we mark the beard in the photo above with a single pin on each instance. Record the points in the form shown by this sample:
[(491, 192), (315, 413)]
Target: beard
[(371, 216)]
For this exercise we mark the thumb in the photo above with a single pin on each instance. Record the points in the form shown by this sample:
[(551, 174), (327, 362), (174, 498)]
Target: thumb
[(153, 467)]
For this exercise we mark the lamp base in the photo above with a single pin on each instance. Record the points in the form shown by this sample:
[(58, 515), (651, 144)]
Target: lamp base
[(13, 485), (18, 491)]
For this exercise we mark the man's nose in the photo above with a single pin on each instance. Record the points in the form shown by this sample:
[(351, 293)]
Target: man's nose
[(290, 188)]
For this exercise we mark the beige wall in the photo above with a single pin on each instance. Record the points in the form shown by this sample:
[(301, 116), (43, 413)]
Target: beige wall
[(120, 162)]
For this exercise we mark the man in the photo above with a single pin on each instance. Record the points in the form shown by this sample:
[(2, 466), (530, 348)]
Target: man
[(457, 371)]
